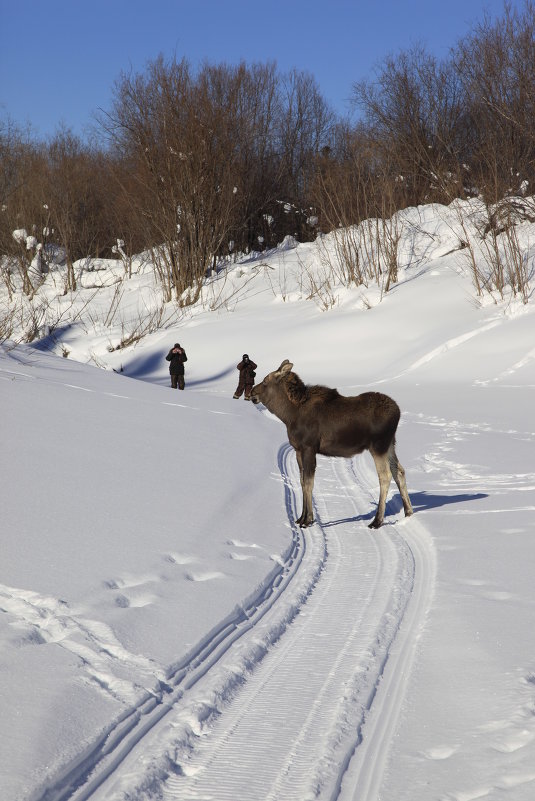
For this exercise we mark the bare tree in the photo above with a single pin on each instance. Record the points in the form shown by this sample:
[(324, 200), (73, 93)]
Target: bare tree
[(74, 198), (496, 65), (176, 139), (21, 214), (414, 113), (216, 157)]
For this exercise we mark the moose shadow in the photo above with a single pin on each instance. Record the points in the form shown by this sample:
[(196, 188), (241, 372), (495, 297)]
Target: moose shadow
[(421, 502)]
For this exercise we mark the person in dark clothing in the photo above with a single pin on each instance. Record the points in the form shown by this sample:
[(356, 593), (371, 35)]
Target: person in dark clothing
[(247, 376), (176, 358)]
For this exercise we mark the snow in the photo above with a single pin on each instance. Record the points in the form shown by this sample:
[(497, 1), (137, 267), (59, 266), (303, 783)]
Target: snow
[(20, 235), (168, 632)]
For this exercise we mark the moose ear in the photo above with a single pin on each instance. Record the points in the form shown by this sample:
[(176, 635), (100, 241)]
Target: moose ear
[(285, 367)]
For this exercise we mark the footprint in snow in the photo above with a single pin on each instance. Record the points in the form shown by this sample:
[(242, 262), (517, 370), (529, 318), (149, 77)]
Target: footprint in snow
[(241, 544), (514, 741), (142, 600), (122, 601), (497, 596), (179, 558), (440, 752), (129, 581), (26, 635), (136, 601), (208, 576)]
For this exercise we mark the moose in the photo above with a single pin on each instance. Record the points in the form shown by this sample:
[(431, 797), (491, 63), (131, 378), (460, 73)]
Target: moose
[(321, 421)]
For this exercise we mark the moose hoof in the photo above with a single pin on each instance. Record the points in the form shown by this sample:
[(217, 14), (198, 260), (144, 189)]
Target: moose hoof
[(304, 523), (376, 524)]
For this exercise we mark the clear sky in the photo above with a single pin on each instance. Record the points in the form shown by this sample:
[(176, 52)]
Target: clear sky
[(59, 58)]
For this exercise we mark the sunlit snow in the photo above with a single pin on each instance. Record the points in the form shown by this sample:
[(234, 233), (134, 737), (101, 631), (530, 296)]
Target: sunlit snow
[(168, 632)]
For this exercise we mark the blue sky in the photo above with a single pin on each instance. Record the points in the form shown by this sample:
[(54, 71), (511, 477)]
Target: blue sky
[(60, 58)]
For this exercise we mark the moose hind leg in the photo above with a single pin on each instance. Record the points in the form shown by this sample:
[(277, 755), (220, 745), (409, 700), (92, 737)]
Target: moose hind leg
[(398, 474), (307, 468), (382, 465)]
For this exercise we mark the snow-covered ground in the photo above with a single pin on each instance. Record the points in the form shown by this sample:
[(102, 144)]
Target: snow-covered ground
[(167, 632)]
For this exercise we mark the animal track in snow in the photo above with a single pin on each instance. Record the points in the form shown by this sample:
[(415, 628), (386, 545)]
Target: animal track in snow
[(44, 620), (498, 595), (507, 736), (529, 357), (132, 595), (139, 601), (130, 581), (180, 558), (486, 591), (441, 752), (244, 546), (208, 576), (216, 664), (122, 601), (440, 350), (241, 544), (514, 741)]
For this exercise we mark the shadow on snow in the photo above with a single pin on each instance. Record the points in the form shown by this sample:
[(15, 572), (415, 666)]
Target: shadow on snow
[(148, 368), (421, 502)]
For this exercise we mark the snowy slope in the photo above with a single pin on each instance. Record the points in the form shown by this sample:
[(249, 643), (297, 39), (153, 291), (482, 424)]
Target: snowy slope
[(167, 632)]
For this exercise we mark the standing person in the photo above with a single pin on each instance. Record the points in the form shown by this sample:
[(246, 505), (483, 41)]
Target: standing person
[(247, 376), (176, 358)]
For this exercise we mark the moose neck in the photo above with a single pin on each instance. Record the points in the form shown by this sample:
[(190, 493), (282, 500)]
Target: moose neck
[(283, 408)]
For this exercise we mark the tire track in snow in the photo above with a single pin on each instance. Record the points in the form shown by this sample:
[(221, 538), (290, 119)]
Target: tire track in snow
[(365, 766), (306, 711), (271, 756), (257, 715), (363, 778), (213, 669)]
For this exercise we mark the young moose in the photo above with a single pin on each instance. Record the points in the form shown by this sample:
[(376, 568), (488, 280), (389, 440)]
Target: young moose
[(320, 420)]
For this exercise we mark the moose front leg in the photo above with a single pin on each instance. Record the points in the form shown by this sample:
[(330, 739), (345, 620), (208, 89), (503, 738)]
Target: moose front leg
[(307, 468), (383, 472)]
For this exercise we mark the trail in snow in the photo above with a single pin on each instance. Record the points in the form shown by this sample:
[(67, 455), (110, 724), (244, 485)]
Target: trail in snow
[(362, 781), (250, 723), (289, 732), (213, 669)]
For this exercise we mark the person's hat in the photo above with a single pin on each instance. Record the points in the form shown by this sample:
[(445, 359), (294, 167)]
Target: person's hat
[(245, 356), (176, 345)]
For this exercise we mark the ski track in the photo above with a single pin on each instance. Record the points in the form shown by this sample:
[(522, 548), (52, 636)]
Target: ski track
[(238, 718)]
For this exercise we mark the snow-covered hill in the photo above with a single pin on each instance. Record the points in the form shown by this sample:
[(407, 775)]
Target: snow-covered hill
[(168, 632)]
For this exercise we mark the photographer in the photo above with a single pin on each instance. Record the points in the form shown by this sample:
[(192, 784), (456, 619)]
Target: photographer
[(247, 376), (176, 358)]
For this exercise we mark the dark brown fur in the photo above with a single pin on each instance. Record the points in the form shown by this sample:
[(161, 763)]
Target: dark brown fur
[(320, 420)]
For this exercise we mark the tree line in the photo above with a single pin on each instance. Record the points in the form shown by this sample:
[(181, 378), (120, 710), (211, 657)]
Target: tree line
[(194, 166)]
